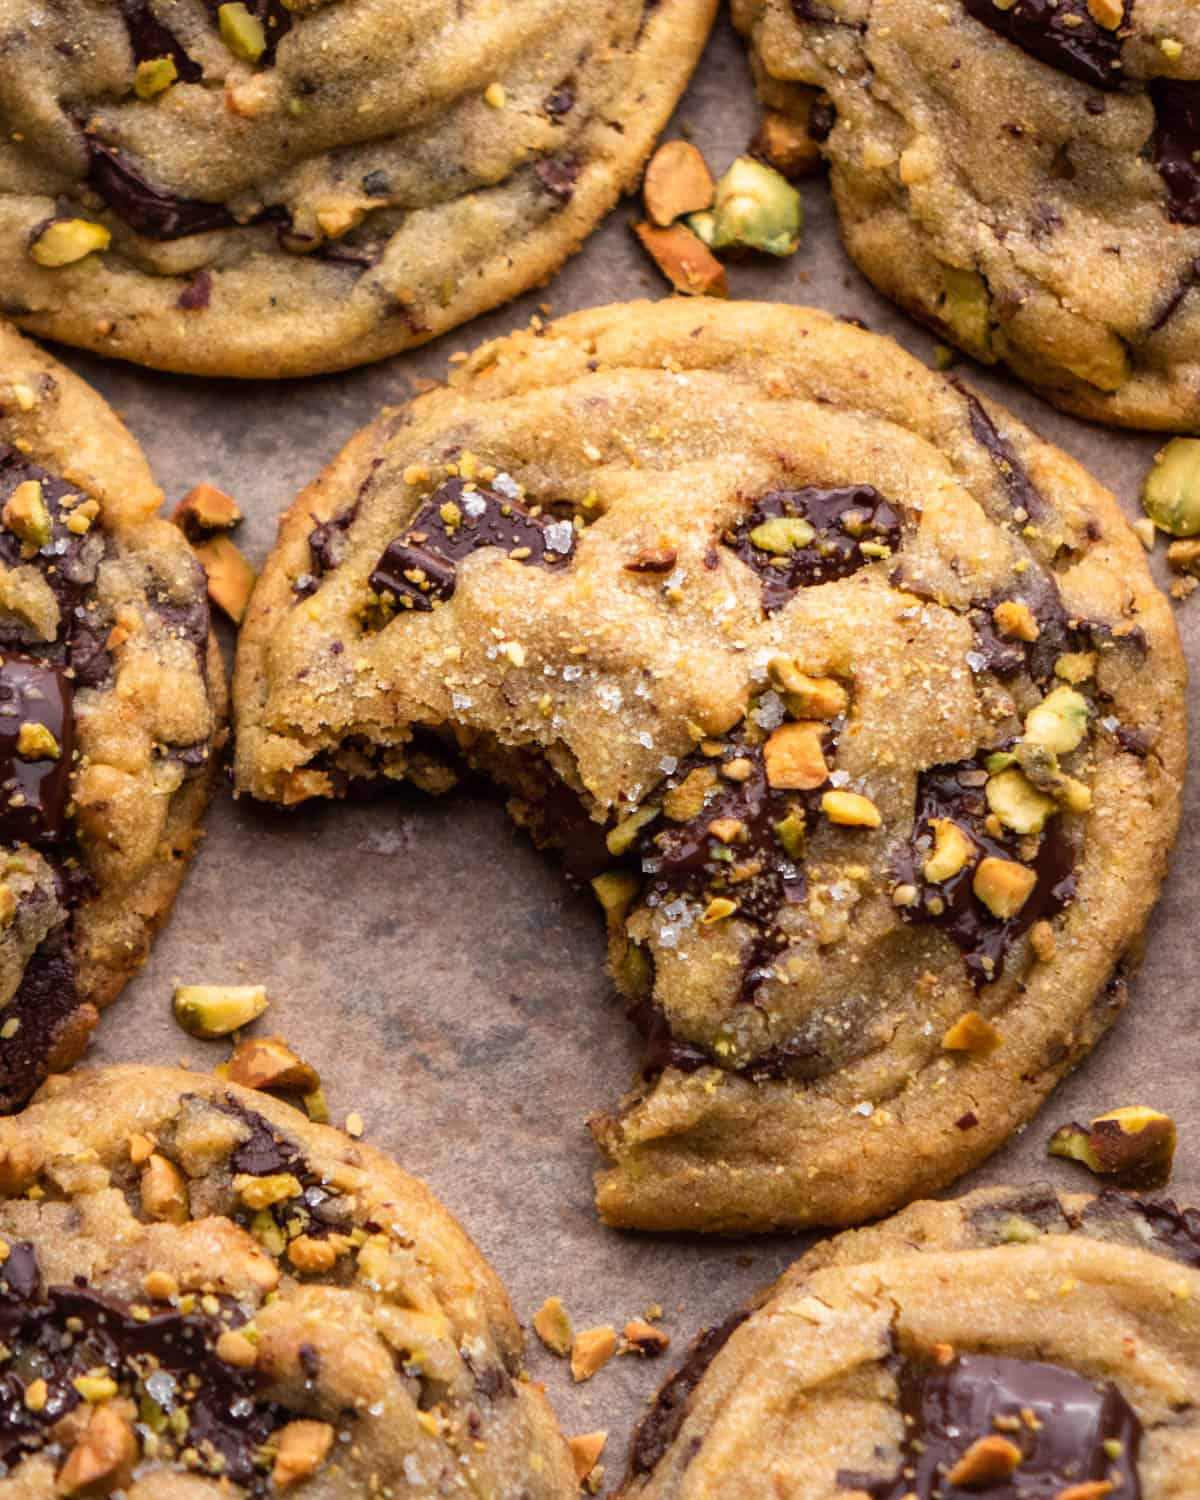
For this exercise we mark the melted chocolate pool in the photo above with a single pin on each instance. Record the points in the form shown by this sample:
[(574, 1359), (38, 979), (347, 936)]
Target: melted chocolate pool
[(1081, 1431)]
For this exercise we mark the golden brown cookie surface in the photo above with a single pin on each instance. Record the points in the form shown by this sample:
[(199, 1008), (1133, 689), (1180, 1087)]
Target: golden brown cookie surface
[(1022, 177), (205, 1291), (854, 697), (1012, 1343), (266, 190), (112, 701)]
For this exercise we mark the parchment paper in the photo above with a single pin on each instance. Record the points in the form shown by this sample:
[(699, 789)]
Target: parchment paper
[(439, 972)]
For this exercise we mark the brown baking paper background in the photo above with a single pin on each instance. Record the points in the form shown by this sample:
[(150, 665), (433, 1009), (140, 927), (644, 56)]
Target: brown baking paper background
[(440, 974)]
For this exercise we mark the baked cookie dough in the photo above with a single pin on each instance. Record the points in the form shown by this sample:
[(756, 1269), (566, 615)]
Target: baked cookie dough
[(1014, 1344), (268, 189), (1022, 177), (112, 702), (204, 1294), (854, 697)]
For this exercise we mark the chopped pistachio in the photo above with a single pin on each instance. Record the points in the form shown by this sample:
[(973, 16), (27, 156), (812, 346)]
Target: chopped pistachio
[(214, 1010), (1059, 722), (754, 208), (951, 851), (592, 1349), (264, 1192), (1134, 1145), (1171, 491), (851, 810), (795, 757), (787, 144), (621, 838), (782, 535), (966, 310), (791, 833), (615, 891), (972, 1033), (35, 742), (677, 182), (1014, 618), (1017, 802), (61, 242), (717, 910), (684, 259), (153, 76), (26, 515), (1003, 885), (552, 1324), (241, 31)]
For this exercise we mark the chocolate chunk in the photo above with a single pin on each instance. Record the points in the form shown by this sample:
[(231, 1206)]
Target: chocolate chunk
[(558, 175), (559, 821), (1176, 145), (947, 1408), (418, 568), (35, 783), (559, 102), (150, 39), (45, 1005), (1004, 655), (191, 621), (266, 1152), (153, 212), (843, 520), (166, 1362), (1061, 33), (197, 294), (1174, 1231), (820, 15), (956, 793), (376, 184), (1023, 494), (663, 1048), (659, 1428), (1037, 1205), (822, 118)]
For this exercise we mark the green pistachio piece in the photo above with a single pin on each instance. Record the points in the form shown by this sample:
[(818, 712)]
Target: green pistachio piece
[(212, 1010), (621, 838), (1059, 722), (63, 241), (241, 31), (1017, 802), (966, 309), (153, 76), (1171, 492), (782, 535), (790, 832), (754, 208)]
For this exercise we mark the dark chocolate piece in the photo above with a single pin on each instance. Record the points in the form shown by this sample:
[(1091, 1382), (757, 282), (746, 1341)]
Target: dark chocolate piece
[(1037, 1204), (947, 1408), (197, 294), (558, 175), (166, 1362), (153, 212), (45, 1005), (1176, 145), (956, 793), (150, 39), (1175, 301), (35, 786), (842, 519), (418, 567), (1005, 655), (1175, 1231), (559, 102), (1022, 492), (659, 1428), (1061, 33)]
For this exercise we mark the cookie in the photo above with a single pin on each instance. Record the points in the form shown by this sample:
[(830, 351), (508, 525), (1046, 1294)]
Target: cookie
[(1022, 177), (853, 697), (1014, 1343), (271, 189), (203, 1290), (112, 703)]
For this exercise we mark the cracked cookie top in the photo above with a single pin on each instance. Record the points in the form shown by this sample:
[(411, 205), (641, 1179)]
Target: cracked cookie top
[(1014, 1343), (112, 700), (203, 1293), (267, 189), (1021, 176), (852, 698)]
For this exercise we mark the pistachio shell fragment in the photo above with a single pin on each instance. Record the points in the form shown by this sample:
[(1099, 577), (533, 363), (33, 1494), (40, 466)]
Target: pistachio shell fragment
[(677, 182), (1171, 492), (212, 1010), (754, 208), (61, 242)]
